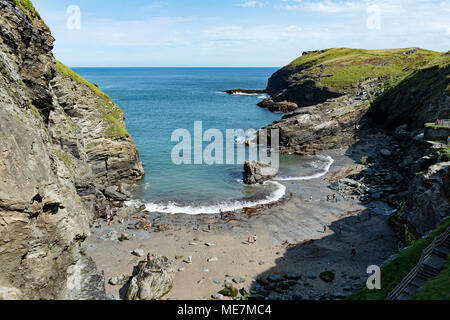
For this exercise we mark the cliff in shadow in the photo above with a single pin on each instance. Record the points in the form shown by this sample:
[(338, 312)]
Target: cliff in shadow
[(63, 142)]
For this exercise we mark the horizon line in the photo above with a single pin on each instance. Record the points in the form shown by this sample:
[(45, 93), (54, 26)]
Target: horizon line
[(124, 67)]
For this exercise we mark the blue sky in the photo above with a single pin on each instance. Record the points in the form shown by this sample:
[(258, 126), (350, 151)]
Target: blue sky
[(236, 33)]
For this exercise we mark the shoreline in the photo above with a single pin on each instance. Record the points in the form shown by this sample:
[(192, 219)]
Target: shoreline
[(293, 224)]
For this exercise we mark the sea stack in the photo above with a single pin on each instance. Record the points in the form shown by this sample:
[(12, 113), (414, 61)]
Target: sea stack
[(258, 172)]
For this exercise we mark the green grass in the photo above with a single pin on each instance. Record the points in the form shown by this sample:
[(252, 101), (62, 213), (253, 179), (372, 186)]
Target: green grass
[(343, 68), (435, 126), (67, 72), (116, 129), (395, 270), (437, 288), (109, 112), (64, 158), (27, 8)]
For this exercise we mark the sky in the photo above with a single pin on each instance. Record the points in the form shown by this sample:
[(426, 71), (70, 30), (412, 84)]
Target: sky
[(235, 33)]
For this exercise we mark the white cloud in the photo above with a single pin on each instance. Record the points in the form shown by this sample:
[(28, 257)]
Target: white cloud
[(250, 4), (329, 6)]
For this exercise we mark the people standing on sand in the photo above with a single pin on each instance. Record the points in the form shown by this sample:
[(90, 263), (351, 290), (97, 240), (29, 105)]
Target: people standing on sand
[(328, 197), (249, 240), (209, 226), (190, 259), (311, 198), (221, 214), (324, 229), (254, 238), (149, 257)]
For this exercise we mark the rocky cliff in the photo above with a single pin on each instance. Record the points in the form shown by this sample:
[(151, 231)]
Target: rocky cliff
[(63, 142), (358, 98)]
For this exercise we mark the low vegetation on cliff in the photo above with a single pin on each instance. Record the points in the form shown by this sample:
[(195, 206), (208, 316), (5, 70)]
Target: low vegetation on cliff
[(342, 68), (107, 110)]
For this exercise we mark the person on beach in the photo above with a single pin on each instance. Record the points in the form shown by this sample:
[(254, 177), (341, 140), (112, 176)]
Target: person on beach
[(221, 214), (209, 226), (328, 197), (334, 197), (190, 259), (311, 198), (254, 238), (234, 213), (149, 257), (249, 240), (324, 229)]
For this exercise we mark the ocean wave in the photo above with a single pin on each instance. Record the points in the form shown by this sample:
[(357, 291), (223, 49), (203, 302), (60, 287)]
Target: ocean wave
[(323, 166), (225, 206), (251, 135)]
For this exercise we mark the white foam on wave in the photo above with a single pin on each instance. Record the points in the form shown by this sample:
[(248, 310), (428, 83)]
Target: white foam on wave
[(251, 135), (324, 165), (174, 208)]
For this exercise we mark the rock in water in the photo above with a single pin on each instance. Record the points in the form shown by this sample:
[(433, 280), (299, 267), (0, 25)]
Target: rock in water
[(153, 281), (258, 172)]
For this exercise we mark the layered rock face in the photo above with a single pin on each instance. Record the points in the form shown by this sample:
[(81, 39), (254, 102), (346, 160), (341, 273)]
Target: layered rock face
[(57, 153), (344, 96)]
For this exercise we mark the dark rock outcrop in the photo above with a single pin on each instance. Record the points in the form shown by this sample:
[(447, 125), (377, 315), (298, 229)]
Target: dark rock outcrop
[(245, 91)]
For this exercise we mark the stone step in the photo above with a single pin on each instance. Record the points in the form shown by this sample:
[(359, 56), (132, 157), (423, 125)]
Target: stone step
[(434, 262), (403, 296), (418, 283), (425, 274), (441, 252)]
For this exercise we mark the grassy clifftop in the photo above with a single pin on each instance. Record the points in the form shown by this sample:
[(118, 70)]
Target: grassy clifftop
[(342, 68), (28, 8), (106, 109)]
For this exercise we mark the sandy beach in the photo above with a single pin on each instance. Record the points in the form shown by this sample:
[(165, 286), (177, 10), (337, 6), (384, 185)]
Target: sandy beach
[(290, 240)]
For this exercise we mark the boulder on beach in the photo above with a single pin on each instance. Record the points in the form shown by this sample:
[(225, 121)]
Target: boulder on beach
[(138, 252), (153, 281), (258, 172), (327, 276), (119, 280)]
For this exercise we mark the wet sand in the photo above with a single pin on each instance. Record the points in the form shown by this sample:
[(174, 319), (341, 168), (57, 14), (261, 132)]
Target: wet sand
[(290, 238)]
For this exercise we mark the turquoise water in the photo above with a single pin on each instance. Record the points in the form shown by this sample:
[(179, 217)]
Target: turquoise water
[(158, 101)]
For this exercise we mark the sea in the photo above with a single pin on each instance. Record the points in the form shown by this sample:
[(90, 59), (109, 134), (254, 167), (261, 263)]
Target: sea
[(159, 101)]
